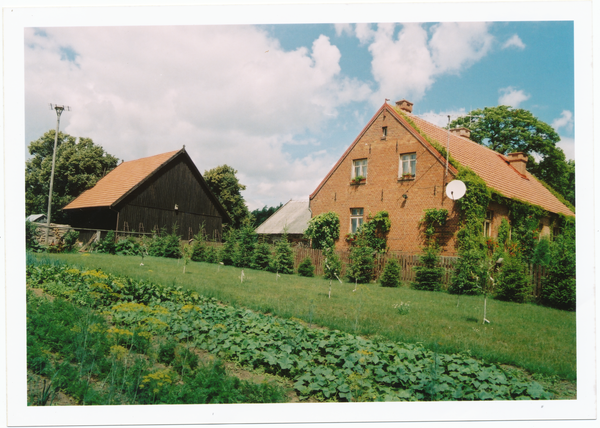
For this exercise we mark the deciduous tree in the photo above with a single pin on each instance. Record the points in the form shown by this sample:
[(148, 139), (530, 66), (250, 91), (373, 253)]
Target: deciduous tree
[(79, 166), (224, 184)]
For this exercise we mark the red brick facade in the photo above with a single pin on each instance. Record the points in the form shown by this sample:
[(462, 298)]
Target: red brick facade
[(383, 143), (384, 188)]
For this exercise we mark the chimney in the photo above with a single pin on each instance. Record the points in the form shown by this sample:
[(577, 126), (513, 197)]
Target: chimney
[(405, 105), (518, 161), (461, 132)]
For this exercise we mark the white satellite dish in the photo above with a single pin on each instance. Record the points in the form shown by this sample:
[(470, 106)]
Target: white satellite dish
[(456, 189)]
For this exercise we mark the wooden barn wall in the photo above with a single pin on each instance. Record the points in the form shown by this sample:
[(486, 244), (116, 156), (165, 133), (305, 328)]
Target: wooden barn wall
[(98, 218), (153, 204)]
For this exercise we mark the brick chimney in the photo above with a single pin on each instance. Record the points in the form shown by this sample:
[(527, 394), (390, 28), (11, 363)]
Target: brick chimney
[(518, 161), (461, 132), (405, 105)]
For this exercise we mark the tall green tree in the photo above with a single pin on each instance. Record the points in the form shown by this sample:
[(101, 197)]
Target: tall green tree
[(78, 167), (260, 216), (507, 130), (224, 184)]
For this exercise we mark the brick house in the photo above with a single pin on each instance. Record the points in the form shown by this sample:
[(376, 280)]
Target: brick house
[(150, 194), (391, 166)]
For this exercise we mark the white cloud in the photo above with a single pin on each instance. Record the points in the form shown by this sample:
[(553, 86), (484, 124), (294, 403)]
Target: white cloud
[(515, 41), (406, 65), (564, 121), (231, 94), (568, 146), (340, 29), (441, 119), (512, 97)]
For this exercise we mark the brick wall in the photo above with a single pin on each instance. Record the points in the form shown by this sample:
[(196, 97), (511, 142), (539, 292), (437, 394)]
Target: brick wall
[(383, 190)]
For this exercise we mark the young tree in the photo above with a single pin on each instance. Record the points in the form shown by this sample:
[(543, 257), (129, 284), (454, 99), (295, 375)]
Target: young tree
[(244, 252), (323, 230), (512, 284), (78, 168), (391, 274), (283, 260), (429, 276), (227, 254), (306, 268), (262, 256), (508, 130), (227, 188), (559, 286), (361, 262)]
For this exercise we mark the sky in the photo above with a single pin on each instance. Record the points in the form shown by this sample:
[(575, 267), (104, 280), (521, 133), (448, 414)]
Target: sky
[(280, 103)]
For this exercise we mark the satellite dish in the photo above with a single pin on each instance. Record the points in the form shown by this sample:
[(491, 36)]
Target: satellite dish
[(456, 189)]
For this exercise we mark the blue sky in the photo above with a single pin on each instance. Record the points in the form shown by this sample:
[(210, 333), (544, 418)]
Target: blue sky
[(278, 102)]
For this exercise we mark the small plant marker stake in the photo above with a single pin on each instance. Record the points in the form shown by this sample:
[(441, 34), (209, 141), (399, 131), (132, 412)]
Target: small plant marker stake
[(242, 276), (277, 276)]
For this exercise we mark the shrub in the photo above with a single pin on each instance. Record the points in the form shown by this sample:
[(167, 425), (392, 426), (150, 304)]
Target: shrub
[(283, 260), (31, 242), (361, 262), (261, 258), (429, 276), (375, 231), (227, 254), (333, 264), (127, 247), (199, 247), (172, 244), (70, 239), (541, 252), (512, 284), (246, 243), (469, 272), (107, 245), (306, 268), (323, 230), (391, 274), (559, 286)]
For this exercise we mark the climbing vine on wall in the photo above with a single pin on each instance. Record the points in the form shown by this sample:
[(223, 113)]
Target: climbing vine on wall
[(323, 230), (375, 231)]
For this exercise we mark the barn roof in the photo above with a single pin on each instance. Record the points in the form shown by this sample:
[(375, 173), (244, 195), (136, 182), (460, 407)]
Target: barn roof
[(293, 217), (130, 175), (118, 183)]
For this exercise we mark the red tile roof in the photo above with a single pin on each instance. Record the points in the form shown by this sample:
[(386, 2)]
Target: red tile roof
[(493, 168), (120, 181)]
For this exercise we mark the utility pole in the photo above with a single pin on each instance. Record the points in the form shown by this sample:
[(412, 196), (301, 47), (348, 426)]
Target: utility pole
[(59, 110)]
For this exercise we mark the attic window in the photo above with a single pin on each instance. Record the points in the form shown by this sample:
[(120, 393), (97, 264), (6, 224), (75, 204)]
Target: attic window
[(408, 166), (359, 168), (384, 133)]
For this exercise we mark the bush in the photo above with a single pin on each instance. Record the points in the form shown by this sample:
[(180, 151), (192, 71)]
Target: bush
[(283, 260), (361, 262), (246, 243), (391, 274), (211, 254), (469, 273), (127, 247), (31, 242), (306, 268), (107, 245), (559, 286), (70, 239), (261, 259), (332, 268), (429, 276), (323, 230), (199, 247), (512, 284), (228, 251)]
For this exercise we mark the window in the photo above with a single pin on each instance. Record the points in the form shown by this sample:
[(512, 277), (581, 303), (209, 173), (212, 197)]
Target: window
[(356, 219), (384, 133), (408, 165), (487, 224), (359, 168)]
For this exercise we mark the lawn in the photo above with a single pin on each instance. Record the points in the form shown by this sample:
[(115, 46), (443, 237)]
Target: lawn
[(538, 339)]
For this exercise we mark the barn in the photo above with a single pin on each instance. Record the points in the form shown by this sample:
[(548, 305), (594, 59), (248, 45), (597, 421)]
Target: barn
[(150, 194)]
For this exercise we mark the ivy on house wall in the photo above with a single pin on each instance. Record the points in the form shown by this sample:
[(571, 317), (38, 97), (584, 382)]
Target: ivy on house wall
[(323, 230)]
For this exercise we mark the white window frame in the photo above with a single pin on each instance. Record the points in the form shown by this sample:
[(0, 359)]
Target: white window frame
[(357, 216), (408, 161), (384, 131), (359, 168)]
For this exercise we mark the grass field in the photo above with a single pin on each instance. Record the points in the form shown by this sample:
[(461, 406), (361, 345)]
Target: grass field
[(538, 339)]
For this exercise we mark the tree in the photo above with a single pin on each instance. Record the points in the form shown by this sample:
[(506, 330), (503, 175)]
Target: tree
[(260, 216), (323, 230), (227, 188), (78, 168), (283, 259), (507, 130), (391, 274), (361, 262)]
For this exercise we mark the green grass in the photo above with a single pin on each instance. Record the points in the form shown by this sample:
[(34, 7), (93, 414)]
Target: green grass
[(538, 339)]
